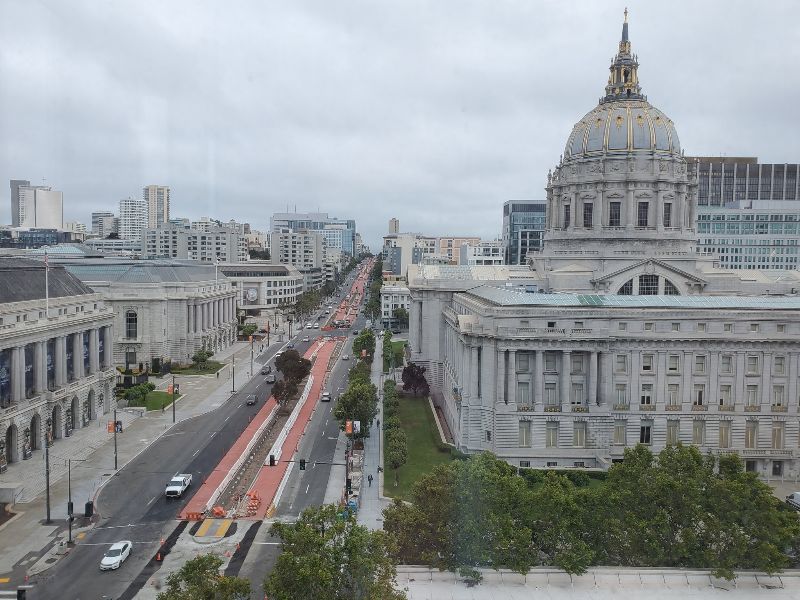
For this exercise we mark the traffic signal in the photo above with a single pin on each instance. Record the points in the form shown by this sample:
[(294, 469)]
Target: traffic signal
[(177, 388), (271, 460), (302, 464)]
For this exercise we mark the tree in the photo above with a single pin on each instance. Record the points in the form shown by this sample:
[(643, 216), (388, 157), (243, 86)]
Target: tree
[(200, 358), (259, 254), (359, 372), (401, 316), (396, 449), (414, 379), (327, 556), (247, 329), (293, 366), (200, 579), (358, 403), (284, 390), (365, 341)]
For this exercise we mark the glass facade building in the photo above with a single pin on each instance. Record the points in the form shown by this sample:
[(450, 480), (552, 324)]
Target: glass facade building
[(524, 223)]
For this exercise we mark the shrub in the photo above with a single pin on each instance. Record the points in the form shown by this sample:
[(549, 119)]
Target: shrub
[(392, 422)]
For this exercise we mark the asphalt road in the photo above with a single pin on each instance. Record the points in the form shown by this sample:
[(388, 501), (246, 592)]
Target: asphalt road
[(132, 504)]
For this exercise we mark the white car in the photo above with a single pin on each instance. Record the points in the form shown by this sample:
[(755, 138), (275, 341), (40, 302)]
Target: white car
[(116, 555), (308, 325), (306, 339), (345, 357), (316, 325)]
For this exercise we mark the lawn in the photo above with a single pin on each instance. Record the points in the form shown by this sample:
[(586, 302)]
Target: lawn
[(398, 348), (210, 368), (423, 447), (155, 399)]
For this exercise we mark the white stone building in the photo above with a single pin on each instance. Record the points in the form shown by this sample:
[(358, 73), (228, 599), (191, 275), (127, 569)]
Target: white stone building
[(638, 338), (56, 368), (214, 244), (393, 296), (261, 285), (132, 219), (304, 250), (485, 252), (163, 309)]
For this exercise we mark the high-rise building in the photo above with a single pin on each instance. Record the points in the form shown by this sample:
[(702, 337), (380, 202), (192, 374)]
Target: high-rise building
[(340, 233), (217, 244), (36, 206), (523, 229), (302, 249), (104, 223), (157, 199), (132, 218), (394, 225), (450, 247), (722, 180)]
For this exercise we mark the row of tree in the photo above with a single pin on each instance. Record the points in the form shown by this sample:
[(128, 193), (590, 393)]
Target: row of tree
[(359, 402), (365, 341), (677, 509), (295, 369), (396, 442), (373, 306)]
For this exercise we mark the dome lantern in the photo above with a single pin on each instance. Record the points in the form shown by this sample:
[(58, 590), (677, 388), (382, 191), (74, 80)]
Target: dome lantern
[(623, 82)]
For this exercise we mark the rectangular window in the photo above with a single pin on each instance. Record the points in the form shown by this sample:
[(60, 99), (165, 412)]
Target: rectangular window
[(728, 327), (644, 434), (753, 327), (577, 364), (752, 365), (726, 364), (667, 214), (673, 395), (700, 364), (550, 397), (623, 326), (643, 210), (673, 432), (551, 437), (620, 432), (646, 397), (724, 434), (699, 394), (614, 212), (523, 393), (780, 365), (725, 395), (621, 363), (577, 394), (673, 363), (622, 394), (648, 285), (781, 328), (588, 214), (676, 327), (699, 432), (751, 435), (579, 434), (777, 395), (523, 364), (647, 363), (566, 215), (777, 435), (648, 326), (550, 362), (524, 434), (751, 395), (701, 327)]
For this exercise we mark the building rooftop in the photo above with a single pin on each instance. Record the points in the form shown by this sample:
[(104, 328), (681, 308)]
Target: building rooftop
[(23, 279), (504, 297), (122, 270)]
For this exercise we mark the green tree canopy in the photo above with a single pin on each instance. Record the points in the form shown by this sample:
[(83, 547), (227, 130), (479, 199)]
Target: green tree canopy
[(327, 556), (200, 579), (414, 379), (365, 341), (358, 403)]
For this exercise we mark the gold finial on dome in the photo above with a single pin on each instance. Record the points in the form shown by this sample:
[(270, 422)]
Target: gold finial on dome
[(626, 14)]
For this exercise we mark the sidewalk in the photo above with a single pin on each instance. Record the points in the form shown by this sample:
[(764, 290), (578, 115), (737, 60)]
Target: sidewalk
[(370, 513), (91, 450)]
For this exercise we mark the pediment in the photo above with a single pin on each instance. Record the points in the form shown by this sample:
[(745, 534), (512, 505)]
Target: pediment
[(655, 264)]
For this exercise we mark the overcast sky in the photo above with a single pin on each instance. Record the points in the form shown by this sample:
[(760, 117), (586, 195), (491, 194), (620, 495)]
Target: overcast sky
[(435, 112)]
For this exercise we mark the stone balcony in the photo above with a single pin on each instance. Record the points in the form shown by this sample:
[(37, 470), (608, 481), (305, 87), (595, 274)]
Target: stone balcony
[(779, 408)]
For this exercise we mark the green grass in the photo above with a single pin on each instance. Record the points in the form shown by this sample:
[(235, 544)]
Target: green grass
[(417, 421), (398, 348), (155, 399), (210, 368)]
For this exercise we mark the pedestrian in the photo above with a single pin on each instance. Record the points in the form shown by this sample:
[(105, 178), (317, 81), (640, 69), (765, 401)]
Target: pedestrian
[(369, 479)]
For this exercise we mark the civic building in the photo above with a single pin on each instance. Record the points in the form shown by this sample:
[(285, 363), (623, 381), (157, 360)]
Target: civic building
[(56, 368), (621, 332)]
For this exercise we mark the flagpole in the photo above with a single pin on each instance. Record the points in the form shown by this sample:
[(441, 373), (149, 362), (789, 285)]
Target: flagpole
[(46, 287)]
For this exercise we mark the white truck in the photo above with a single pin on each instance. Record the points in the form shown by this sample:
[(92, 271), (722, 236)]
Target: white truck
[(793, 500), (178, 484)]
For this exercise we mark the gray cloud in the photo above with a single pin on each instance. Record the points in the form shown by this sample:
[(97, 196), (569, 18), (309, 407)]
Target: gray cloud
[(435, 112)]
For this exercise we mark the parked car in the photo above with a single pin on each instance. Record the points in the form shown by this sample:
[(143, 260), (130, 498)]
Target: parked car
[(326, 397), (345, 357), (793, 500), (266, 370), (178, 484), (308, 325), (116, 555), (316, 325), (355, 331), (290, 346), (270, 378)]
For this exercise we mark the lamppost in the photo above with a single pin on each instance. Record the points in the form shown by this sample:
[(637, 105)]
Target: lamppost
[(49, 424)]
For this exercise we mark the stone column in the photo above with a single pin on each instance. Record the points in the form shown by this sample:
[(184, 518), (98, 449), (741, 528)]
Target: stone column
[(190, 317), (206, 319), (599, 211), (512, 376), (108, 347), (501, 378), (538, 373), (660, 387), (713, 377), (473, 372), (77, 355), (630, 209), (40, 367), (739, 389), (94, 363), (17, 374), (198, 318), (565, 379), (766, 378), (593, 378), (688, 367), (605, 378), (61, 360)]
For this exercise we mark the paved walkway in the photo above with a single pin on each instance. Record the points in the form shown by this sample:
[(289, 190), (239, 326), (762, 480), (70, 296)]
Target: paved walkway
[(370, 513), (91, 450)]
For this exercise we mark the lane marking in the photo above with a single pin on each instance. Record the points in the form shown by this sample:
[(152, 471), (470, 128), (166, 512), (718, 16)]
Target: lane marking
[(151, 500), (213, 433), (226, 418), (307, 486), (196, 452)]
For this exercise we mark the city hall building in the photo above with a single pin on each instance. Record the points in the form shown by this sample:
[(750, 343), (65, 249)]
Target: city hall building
[(624, 333)]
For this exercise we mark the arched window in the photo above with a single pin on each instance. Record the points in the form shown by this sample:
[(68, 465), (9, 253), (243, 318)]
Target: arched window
[(670, 289), (626, 289), (648, 285), (131, 324)]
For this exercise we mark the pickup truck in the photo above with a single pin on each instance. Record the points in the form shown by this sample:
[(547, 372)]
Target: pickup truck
[(793, 500), (178, 484)]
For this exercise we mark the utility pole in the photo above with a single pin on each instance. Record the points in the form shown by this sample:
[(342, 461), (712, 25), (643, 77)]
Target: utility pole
[(115, 439), (47, 469), (233, 374), (69, 498), (174, 397), (251, 356)]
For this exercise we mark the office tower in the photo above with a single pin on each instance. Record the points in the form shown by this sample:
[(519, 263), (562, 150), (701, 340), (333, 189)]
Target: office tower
[(157, 199), (132, 218)]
